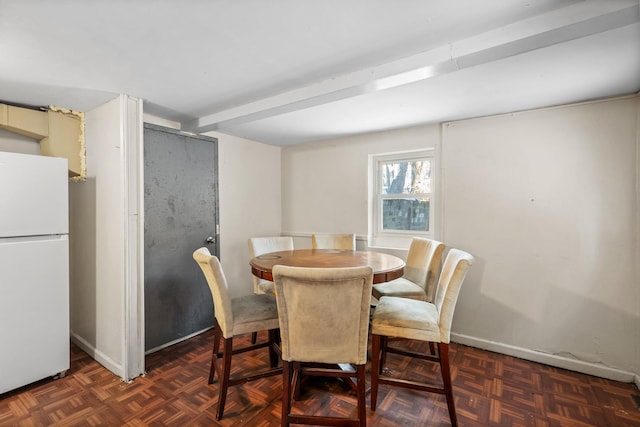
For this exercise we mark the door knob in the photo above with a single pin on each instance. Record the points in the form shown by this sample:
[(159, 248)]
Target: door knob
[(210, 240)]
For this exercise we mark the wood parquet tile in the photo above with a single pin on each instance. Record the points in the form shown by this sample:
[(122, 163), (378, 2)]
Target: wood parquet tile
[(490, 389)]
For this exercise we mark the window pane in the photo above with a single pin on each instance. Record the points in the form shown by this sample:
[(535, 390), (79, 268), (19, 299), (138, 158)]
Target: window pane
[(410, 177), (405, 214)]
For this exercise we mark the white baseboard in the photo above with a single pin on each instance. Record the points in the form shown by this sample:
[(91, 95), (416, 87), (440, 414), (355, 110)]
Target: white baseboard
[(549, 359), (169, 344), (99, 356)]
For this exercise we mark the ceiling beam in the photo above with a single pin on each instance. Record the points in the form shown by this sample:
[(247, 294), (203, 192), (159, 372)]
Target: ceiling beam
[(561, 26)]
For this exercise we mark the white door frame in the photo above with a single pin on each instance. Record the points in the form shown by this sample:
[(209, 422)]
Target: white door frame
[(132, 135)]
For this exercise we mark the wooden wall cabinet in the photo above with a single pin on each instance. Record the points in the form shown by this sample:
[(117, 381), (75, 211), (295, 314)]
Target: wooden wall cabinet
[(60, 132)]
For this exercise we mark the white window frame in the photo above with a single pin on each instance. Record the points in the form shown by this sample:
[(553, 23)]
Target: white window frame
[(400, 239)]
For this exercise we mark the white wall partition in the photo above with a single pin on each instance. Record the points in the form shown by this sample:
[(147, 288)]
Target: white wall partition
[(546, 200), (105, 231)]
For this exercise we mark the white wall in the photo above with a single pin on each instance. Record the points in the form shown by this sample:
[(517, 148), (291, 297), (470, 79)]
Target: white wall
[(97, 266), (547, 202), (16, 143), (250, 203)]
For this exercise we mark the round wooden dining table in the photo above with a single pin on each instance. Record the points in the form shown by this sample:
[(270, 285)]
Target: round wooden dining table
[(385, 267)]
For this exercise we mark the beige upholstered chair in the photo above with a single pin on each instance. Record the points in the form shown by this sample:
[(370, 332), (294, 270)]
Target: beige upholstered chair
[(324, 318), (423, 321), (334, 241), (263, 245), (421, 271), (233, 317)]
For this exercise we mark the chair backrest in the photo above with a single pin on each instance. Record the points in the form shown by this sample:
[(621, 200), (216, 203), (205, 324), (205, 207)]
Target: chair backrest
[(323, 313), (210, 265), (454, 270), (263, 245), (334, 241), (424, 260)]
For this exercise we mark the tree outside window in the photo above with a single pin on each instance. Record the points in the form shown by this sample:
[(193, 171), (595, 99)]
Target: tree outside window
[(403, 199), (405, 195)]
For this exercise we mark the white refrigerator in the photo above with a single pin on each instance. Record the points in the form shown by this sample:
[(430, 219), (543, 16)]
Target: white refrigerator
[(34, 269)]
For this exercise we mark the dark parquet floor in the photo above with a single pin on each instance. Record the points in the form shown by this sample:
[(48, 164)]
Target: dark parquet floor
[(490, 390)]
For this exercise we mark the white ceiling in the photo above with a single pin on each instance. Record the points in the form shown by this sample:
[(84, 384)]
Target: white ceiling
[(292, 71)]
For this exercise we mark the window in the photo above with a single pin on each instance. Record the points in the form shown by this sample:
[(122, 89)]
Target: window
[(403, 197)]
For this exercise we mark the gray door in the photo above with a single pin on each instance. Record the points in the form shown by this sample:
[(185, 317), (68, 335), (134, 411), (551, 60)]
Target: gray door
[(181, 215)]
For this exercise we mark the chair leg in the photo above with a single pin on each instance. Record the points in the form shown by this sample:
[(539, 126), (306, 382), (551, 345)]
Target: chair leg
[(289, 372), (226, 370), (443, 349), (296, 380), (375, 369), (217, 334), (361, 391), (254, 337), (286, 392), (383, 352), (273, 355), (432, 348)]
